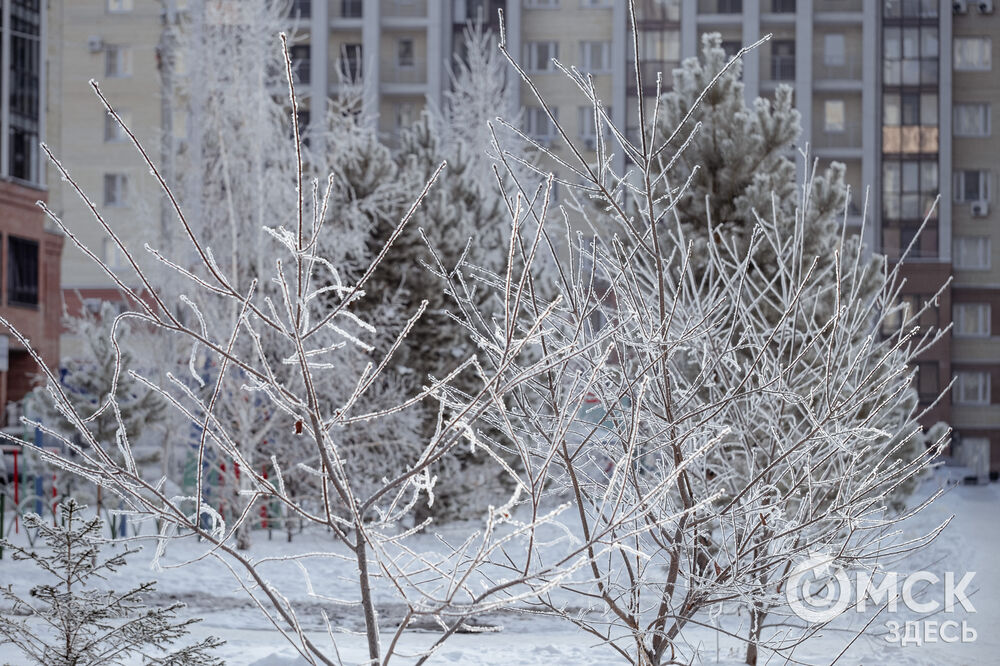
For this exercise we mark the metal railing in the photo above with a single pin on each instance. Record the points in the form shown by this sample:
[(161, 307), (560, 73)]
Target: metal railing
[(782, 68), (396, 73), (346, 9), (404, 8), (850, 69), (849, 137)]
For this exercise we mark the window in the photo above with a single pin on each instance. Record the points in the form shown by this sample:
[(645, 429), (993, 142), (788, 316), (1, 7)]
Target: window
[(404, 53), (351, 8), (117, 61), (909, 188), (972, 185), (539, 55), (928, 381), (538, 126), (541, 4), (350, 61), (972, 119), (972, 320), (300, 9), (730, 6), (113, 256), (22, 271), (909, 306), (972, 388), (973, 53), (595, 56), (115, 189), (301, 64), (24, 68), (834, 50), (112, 130), (833, 115), (910, 8), (783, 60), (971, 252), (119, 6), (731, 47), (910, 55), (783, 6)]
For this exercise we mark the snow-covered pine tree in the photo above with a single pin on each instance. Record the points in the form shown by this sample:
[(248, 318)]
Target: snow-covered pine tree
[(740, 160), (459, 236), (80, 619)]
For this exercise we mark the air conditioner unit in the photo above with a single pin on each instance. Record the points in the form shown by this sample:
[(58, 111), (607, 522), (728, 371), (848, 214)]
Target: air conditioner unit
[(95, 44), (960, 7), (985, 6), (980, 208)]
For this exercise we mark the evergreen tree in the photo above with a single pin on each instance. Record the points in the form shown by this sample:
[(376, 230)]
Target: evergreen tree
[(77, 620), (740, 160)]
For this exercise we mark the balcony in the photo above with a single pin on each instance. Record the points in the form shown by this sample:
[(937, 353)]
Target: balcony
[(782, 68), (836, 7), (720, 6), (404, 80), (407, 10), (650, 68), (850, 70), (844, 144), (910, 139), (346, 10)]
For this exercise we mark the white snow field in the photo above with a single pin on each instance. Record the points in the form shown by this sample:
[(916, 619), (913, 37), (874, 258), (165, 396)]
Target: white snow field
[(970, 543)]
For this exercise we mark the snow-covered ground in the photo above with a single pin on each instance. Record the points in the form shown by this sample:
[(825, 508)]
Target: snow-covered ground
[(970, 543)]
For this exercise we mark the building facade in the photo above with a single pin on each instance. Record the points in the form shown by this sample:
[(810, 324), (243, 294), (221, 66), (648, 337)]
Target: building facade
[(30, 251), (901, 91)]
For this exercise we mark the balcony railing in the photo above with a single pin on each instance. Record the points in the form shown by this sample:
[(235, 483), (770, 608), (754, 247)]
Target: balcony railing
[(649, 71), (851, 69), (346, 9), (396, 73), (782, 68), (720, 6), (838, 6), (849, 137), (404, 8)]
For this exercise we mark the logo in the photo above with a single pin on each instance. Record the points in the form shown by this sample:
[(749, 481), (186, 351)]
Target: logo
[(818, 590)]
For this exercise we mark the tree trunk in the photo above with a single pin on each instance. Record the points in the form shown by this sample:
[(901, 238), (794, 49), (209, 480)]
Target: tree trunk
[(756, 624)]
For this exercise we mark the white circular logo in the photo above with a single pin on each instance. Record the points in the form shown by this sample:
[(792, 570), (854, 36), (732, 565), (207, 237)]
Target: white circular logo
[(817, 591)]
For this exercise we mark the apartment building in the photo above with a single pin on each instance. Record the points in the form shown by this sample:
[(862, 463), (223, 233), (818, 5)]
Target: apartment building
[(901, 91), (29, 283), (113, 42)]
